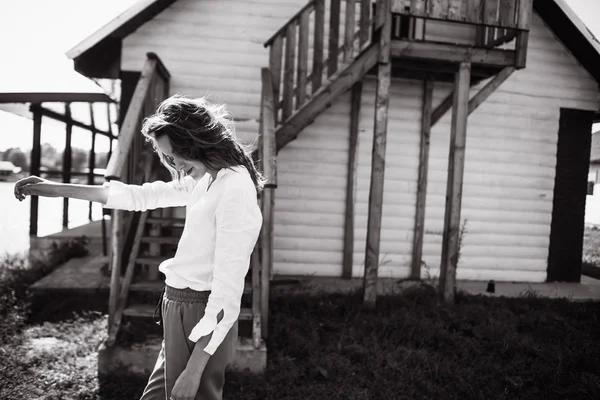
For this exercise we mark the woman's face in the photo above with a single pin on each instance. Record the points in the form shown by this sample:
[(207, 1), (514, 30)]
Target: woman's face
[(193, 168)]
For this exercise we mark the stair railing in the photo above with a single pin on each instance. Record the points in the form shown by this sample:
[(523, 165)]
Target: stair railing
[(301, 41), (125, 165)]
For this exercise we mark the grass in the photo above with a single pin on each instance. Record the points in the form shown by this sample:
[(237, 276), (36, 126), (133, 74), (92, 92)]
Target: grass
[(328, 347)]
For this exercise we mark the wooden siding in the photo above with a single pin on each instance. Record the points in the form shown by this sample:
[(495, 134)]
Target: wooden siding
[(509, 167)]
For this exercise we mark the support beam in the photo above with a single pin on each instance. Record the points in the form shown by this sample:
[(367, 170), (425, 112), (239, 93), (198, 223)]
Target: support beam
[(67, 161), (417, 253), (378, 158), (34, 167), (452, 53), (92, 158), (456, 162), (477, 99), (351, 180)]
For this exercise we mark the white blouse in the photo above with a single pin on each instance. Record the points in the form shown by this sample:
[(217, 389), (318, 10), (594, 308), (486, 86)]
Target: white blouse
[(222, 225)]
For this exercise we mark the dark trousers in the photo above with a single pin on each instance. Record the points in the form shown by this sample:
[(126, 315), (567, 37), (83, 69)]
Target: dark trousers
[(181, 311)]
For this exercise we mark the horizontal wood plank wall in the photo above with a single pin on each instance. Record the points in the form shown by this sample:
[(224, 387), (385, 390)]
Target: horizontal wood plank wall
[(401, 174), (509, 167), (310, 199)]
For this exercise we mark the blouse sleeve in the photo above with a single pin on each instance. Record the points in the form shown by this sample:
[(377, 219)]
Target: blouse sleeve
[(149, 196), (238, 223)]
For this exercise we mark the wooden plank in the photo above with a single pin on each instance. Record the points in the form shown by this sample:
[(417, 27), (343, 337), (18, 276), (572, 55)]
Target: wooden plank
[(67, 162), (489, 88), (438, 9), (127, 279), (266, 238), (521, 47), (451, 53), (365, 12), (386, 33), (442, 109), (334, 37), (349, 28), (475, 11), (507, 13), (455, 10), (129, 129), (288, 73), (351, 177), (524, 14), (160, 239), (417, 252), (456, 161), (317, 70), (91, 159), (255, 289), (324, 97), (417, 7), (168, 221), (491, 16), (60, 117), (267, 133), (382, 98), (115, 265), (302, 59), (36, 160), (275, 65)]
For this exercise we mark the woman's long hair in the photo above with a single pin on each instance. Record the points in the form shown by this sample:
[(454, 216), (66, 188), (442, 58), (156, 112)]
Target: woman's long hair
[(200, 131)]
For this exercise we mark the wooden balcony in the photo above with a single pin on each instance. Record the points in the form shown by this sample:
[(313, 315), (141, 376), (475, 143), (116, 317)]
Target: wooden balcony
[(429, 37)]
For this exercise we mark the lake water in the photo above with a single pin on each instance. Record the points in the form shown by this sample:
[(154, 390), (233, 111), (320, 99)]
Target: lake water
[(14, 218)]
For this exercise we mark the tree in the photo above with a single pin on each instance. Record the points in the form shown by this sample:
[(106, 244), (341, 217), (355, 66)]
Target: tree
[(18, 158)]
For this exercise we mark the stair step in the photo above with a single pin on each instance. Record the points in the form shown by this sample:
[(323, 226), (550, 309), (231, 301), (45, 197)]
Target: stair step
[(160, 239), (147, 311), (165, 221), (156, 286), (153, 261)]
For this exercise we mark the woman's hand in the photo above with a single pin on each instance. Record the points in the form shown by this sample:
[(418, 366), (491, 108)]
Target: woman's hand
[(36, 186), (186, 386)]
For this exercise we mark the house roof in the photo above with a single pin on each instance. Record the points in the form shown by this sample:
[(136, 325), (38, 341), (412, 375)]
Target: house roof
[(595, 151), (62, 85), (98, 54)]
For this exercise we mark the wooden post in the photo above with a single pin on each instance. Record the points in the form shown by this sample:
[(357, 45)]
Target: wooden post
[(456, 162), (92, 158), (351, 180), (365, 23), (524, 16), (349, 28), (269, 162), (302, 68), (67, 160), (417, 253), (115, 275), (110, 141), (317, 71), (34, 168), (275, 64), (378, 158), (334, 36), (288, 72)]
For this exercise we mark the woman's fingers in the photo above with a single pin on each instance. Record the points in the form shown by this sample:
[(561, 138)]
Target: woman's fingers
[(19, 194)]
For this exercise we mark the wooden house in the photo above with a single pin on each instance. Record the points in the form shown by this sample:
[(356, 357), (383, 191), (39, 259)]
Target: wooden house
[(400, 137)]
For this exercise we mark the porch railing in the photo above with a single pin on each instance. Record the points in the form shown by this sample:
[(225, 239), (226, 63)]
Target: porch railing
[(126, 165), (298, 49)]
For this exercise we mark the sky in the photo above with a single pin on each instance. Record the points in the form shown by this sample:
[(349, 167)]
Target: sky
[(41, 31)]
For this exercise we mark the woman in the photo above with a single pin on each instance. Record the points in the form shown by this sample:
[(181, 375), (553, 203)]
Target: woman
[(215, 178)]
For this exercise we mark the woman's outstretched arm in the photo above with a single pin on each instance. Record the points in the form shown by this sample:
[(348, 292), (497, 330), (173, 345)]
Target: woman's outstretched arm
[(35, 186)]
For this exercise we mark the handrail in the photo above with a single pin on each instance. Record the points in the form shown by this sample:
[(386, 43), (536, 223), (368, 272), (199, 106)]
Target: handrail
[(152, 67), (507, 14), (294, 79)]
